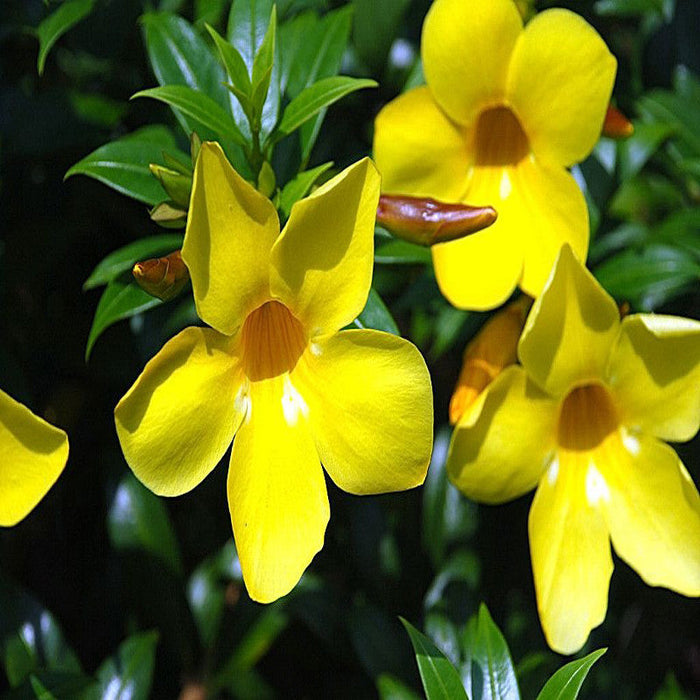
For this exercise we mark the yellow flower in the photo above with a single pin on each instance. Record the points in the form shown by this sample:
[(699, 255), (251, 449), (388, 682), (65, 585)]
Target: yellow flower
[(505, 112), (32, 456), (583, 419), (275, 371)]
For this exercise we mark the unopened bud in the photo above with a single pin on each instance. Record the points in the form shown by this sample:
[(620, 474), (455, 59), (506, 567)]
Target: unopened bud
[(493, 349), (195, 145), (163, 278), (426, 221), (616, 124), (177, 185), (266, 180), (169, 215)]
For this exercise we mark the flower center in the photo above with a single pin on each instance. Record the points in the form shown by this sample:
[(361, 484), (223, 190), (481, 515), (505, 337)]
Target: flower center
[(272, 341), (587, 417), (499, 138)]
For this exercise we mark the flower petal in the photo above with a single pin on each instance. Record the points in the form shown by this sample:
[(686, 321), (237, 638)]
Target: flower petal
[(654, 514), (570, 551), (571, 329), (539, 208), (503, 454), (179, 417), (418, 150), (322, 262), (466, 48), (32, 456), (654, 372), (230, 230), (276, 491), (559, 84), (370, 410)]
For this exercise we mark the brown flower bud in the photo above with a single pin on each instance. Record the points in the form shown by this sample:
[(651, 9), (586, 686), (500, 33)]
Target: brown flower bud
[(163, 278), (426, 221), (616, 124)]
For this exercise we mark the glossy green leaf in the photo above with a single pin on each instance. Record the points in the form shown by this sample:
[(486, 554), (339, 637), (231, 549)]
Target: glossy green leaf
[(674, 110), (123, 164), (448, 517), (197, 107), (680, 230), (30, 638), (649, 277), (299, 187), (128, 675), (51, 29), (122, 298), (487, 669), (402, 253), (440, 678), (233, 62), (138, 519), (391, 688), (314, 98), (262, 63), (566, 683), (636, 150), (209, 11), (376, 315)]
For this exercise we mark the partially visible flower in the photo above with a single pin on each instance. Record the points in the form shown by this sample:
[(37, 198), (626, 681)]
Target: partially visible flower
[(275, 371), (492, 350), (583, 419), (505, 112), (32, 456)]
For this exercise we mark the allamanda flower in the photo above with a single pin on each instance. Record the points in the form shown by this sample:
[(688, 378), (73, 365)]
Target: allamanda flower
[(506, 110), (583, 419), (32, 456), (276, 371)]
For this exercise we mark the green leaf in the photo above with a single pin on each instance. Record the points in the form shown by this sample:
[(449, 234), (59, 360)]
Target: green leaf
[(487, 669), (198, 107), (314, 98), (376, 315), (440, 678), (233, 62), (138, 519), (122, 298), (566, 683), (57, 24), (391, 688), (402, 253), (123, 164), (30, 637), (649, 277), (298, 188), (374, 32), (262, 63), (129, 673), (636, 150), (677, 111)]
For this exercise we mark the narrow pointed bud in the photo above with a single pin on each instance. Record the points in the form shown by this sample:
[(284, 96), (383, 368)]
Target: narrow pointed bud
[(494, 348), (426, 221), (616, 124), (169, 215), (266, 180), (163, 278), (177, 185), (195, 145)]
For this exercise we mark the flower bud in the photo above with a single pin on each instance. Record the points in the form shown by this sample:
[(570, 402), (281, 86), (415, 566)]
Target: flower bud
[(492, 350), (616, 125), (163, 278), (426, 221), (169, 215), (177, 185)]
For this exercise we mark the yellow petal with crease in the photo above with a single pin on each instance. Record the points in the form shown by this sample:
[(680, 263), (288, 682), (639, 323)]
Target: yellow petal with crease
[(654, 514), (559, 84), (570, 551), (230, 230), (322, 262), (179, 417), (370, 410), (418, 150), (654, 372), (539, 209), (276, 491), (504, 453), (466, 48), (571, 329), (32, 456)]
